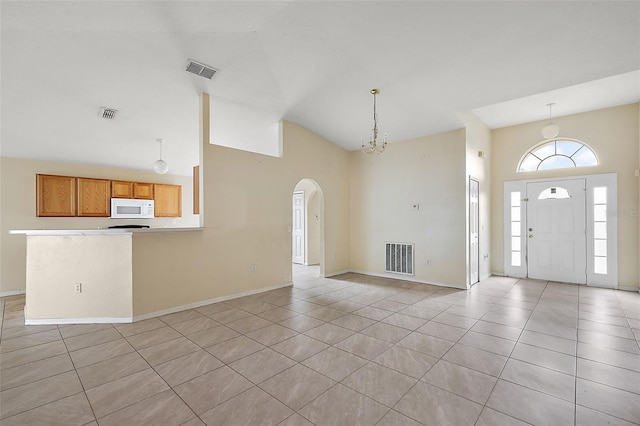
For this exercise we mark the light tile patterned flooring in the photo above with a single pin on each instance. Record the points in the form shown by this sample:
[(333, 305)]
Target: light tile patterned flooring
[(348, 350)]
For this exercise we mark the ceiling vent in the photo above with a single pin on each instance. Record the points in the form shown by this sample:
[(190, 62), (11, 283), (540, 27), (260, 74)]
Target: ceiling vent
[(200, 69), (107, 113)]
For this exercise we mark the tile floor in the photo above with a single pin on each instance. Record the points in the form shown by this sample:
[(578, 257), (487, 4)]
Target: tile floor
[(350, 350)]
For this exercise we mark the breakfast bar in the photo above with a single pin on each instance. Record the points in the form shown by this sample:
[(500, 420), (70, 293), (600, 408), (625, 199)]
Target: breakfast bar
[(84, 276)]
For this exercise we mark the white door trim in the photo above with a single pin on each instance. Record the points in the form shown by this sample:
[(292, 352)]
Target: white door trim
[(474, 232), (298, 234)]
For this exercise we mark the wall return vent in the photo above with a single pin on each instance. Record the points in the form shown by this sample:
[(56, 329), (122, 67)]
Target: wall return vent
[(200, 69), (399, 258)]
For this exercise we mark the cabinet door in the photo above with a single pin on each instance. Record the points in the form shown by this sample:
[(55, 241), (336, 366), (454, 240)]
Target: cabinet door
[(143, 190), (55, 196), (121, 189), (168, 200), (94, 197)]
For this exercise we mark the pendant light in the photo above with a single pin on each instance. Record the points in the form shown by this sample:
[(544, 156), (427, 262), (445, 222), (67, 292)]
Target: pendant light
[(373, 146), (551, 130), (160, 166)]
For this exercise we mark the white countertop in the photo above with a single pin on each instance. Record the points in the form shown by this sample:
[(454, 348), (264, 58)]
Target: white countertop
[(115, 231)]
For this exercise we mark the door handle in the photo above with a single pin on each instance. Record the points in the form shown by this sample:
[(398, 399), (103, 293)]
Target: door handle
[(530, 236)]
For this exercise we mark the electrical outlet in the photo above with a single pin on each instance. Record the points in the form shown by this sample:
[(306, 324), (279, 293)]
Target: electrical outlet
[(254, 268), (78, 287), (428, 261)]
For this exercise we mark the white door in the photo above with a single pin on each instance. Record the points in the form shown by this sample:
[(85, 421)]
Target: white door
[(556, 231), (297, 248), (474, 222)]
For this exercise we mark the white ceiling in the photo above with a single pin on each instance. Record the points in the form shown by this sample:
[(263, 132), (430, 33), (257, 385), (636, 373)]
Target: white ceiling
[(311, 62)]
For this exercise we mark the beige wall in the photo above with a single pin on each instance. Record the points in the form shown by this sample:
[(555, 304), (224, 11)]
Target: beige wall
[(429, 171), (479, 168), (18, 211), (613, 134), (247, 205)]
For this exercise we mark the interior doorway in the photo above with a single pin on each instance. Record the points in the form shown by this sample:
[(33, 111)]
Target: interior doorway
[(474, 231), (307, 231)]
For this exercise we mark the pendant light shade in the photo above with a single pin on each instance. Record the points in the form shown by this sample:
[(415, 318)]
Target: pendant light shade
[(160, 166), (550, 130)]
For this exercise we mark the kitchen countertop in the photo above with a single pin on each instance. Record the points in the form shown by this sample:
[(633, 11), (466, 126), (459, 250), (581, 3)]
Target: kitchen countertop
[(106, 231)]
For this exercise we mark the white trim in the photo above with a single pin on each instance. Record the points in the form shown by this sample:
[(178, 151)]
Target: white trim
[(409, 278), (333, 274), (209, 301), (484, 277), (627, 288), (12, 293), (120, 320)]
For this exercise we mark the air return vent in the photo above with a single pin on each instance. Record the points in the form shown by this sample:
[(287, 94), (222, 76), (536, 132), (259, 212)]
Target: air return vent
[(200, 69), (107, 113), (399, 258)]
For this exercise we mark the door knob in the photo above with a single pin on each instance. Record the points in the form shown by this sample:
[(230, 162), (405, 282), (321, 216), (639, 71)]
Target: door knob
[(530, 236)]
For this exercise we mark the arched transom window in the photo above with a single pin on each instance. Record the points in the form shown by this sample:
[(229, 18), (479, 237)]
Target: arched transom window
[(558, 154)]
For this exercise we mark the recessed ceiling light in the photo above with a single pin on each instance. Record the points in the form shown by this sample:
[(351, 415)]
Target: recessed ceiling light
[(200, 69)]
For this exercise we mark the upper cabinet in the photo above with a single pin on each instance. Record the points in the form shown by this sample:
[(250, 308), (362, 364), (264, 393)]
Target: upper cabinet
[(168, 200), (67, 196), (94, 197), (55, 196), (121, 189), (142, 190), (124, 189)]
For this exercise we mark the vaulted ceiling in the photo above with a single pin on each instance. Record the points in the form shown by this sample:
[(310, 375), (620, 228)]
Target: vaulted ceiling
[(311, 62)]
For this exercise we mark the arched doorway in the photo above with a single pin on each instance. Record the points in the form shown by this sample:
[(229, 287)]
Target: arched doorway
[(307, 231)]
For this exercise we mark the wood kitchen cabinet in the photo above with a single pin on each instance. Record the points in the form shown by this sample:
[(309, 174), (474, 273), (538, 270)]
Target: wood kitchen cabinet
[(125, 189), (168, 200), (55, 196), (121, 189), (143, 190), (94, 197)]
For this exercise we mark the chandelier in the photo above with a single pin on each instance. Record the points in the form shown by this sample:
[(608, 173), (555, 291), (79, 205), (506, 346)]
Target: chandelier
[(373, 146)]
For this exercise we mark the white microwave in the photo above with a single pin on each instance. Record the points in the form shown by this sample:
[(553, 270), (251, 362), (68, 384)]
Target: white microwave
[(126, 208)]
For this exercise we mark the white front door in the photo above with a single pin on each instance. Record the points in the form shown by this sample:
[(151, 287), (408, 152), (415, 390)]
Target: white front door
[(474, 222), (556, 231), (297, 248)]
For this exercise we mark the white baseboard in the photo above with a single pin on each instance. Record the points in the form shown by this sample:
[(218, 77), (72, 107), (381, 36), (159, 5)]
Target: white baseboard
[(12, 293), (627, 288), (208, 302), (333, 274), (409, 278), (102, 320)]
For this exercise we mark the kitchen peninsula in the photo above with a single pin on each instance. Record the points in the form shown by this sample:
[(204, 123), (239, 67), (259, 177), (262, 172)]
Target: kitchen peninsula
[(87, 276)]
